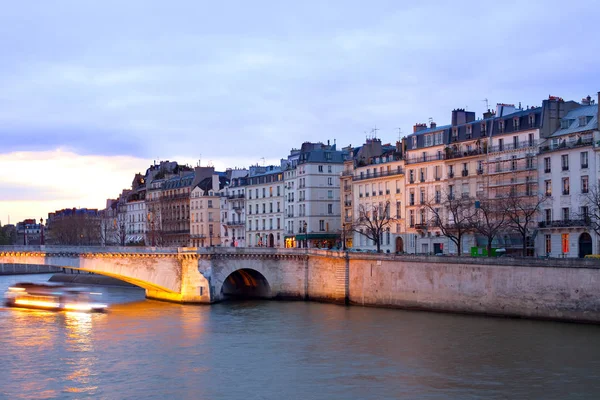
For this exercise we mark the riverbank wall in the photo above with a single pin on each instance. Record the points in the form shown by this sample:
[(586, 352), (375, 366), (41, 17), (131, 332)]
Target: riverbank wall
[(25, 269), (561, 289), (89, 279)]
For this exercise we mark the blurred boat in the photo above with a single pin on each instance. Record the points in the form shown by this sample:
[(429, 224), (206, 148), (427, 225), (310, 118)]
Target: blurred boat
[(51, 297)]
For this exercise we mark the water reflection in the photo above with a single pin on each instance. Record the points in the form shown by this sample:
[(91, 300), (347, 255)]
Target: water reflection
[(262, 350)]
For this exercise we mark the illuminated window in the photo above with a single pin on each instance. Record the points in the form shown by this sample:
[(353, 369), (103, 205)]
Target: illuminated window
[(565, 243)]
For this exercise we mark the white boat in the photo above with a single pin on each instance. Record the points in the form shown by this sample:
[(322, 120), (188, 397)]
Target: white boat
[(51, 297)]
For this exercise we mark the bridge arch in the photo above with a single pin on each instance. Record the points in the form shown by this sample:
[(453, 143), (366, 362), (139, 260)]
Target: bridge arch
[(245, 282)]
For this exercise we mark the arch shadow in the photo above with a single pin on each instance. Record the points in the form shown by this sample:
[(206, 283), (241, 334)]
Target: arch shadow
[(246, 283)]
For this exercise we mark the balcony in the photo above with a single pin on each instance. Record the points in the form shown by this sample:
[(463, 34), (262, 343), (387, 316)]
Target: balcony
[(435, 157), (511, 169), (479, 171), (348, 203), (235, 196), (567, 145), (437, 178), (421, 226), (234, 223), (547, 170), (421, 179), (566, 223), (584, 166), (512, 146), (411, 180), (565, 168), (379, 174), (347, 188), (465, 172), (462, 154), (450, 175)]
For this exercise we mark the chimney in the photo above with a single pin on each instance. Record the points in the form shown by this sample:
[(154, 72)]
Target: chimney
[(419, 127), (432, 125), (460, 116), (489, 114), (586, 101)]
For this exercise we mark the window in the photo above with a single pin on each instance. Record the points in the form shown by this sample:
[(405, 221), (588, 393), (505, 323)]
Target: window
[(565, 213), (330, 181), (209, 203), (398, 209), (411, 218), (516, 124), (565, 186), (330, 194), (513, 163), (548, 240), (548, 187), (321, 224), (584, 159), (547, 165), (565, 243), (422, 196), (585, 213), (585, 184), (530, 141), (500, 144), (412, 198), (548, 215), (320, 168), (264, 208), (564, 159), (264, 190), (329, 166), (270, 207), (515, 142), (501, 127), (329, 208), (531, 120), (411, 176)]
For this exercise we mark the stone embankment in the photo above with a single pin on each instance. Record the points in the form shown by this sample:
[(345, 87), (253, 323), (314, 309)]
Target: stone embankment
[(89, 279), (24, 269)]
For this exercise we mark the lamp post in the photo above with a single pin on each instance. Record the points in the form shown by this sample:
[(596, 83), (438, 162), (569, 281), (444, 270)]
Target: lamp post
[(305, 235), (42, 231)]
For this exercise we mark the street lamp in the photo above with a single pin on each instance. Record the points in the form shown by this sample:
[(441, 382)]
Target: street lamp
[(42, 231), (305, 235)]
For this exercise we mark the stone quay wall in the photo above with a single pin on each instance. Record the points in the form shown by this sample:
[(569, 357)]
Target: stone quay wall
[(566, 289), (24, 269)]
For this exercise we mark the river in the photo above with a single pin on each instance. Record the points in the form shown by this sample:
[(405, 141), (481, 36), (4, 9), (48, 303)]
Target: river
[(144, 349)]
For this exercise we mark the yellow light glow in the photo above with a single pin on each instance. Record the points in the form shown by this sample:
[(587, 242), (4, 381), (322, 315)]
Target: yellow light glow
[(16, 289), (77, 307), (36, 303)]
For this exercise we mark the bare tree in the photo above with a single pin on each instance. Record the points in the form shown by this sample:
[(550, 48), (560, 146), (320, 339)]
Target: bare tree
[(452, 215), (373, 221), (591, 214), (75, 230), (489, 219), (521, 213)]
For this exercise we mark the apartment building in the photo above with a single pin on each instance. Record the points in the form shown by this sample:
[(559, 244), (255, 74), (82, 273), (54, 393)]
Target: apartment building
[(568, 175), (265, 207), (175, 209), (426, 182), (378, 184), (312, 196), (205, 210), (233, 208)]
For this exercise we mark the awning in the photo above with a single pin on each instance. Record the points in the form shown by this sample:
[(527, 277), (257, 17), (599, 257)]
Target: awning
[(303, 236)]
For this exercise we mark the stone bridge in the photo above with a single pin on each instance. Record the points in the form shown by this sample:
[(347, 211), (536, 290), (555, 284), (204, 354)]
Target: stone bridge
[(191, 275)]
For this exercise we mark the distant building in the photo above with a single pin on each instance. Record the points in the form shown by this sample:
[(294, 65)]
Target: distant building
[(264, 207), (205, 205), (233, 208)]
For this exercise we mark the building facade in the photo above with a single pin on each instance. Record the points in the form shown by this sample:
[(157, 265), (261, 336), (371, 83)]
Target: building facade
[(265, 207)]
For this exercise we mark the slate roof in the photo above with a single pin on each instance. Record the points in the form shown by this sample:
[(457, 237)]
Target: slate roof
[(591, 121)]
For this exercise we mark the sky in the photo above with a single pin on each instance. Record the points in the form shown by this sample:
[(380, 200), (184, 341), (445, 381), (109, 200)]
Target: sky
[(93, 91)]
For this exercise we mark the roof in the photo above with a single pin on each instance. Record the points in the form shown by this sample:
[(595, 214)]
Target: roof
[(591, 121), (179, 181)]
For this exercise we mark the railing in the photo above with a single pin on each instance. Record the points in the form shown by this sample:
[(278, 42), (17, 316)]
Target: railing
[(510, 169), (435, 157), (566, 145), (231, 223), (512, 146), (465, 172), (565, 223), (450, 175), (420, 226), (347, 203), (235, 196), (379, 174), (461, 154), (547, 170), (479, 171)]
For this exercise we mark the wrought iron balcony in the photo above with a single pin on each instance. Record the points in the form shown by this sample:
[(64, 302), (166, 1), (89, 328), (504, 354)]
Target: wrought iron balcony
[(565, 223), (379, 174)]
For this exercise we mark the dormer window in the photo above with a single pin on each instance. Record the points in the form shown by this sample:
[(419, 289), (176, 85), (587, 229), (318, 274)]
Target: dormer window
[(483, 126), (501, 126), (564, 124), (469, 131), (583, 120), (531, 120), (454, 134), (414, 142), (516, 123)]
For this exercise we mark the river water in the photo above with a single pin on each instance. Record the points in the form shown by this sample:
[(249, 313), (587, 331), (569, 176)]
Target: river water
[(146, 349)]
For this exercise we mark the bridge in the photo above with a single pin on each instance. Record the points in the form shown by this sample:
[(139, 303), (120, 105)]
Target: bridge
[(192, 275)]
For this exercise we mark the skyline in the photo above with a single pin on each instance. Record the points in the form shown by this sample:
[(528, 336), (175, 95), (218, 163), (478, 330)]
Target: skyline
[(86, 104)]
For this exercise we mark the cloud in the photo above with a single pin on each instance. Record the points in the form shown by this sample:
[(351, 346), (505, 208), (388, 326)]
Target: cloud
[(35, 183)]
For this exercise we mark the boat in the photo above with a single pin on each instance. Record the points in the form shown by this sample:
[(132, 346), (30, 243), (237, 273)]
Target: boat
[(51, 297)]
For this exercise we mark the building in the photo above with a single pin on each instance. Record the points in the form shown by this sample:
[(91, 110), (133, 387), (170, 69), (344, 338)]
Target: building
[(312, 196), (74, 227), (233, 208), (568, 172), (175, 209), (29, 232), (205, 204), (265, 207), (376, 175), (136, 217)]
